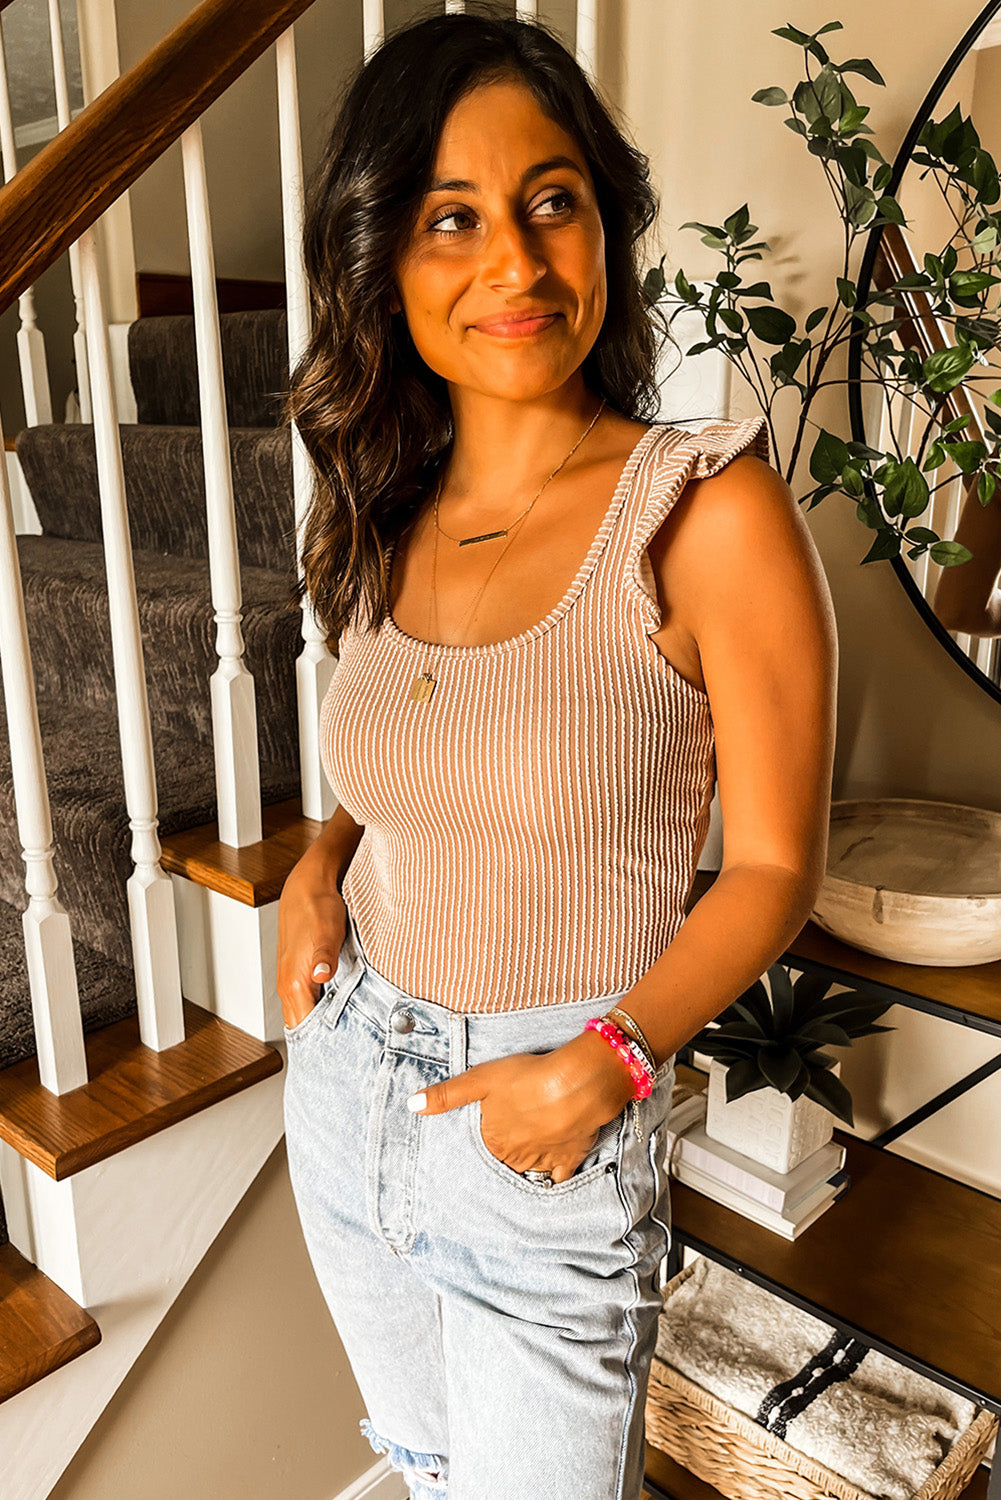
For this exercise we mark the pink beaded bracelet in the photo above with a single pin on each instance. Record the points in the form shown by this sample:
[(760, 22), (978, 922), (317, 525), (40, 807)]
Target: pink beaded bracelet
[(619, 1042)]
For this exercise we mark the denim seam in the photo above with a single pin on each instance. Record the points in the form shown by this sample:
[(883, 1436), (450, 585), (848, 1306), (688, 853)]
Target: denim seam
[(630, 1323)]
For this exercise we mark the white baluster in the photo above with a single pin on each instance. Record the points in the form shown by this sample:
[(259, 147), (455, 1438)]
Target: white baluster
[(455, 7), (55, 1004), (30, 339), (527, 10), (315, 665), (373, 25), (234, 711), (150, 892), (63, 119), (587, 35)]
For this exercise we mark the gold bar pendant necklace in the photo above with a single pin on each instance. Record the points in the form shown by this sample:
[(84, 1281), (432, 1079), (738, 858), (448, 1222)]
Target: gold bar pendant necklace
[(425, 682)]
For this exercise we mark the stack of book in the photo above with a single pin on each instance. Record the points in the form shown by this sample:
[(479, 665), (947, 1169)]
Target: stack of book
[(785, 1202)]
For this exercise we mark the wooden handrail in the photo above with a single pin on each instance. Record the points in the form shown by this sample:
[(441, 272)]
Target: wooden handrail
[(67, 185)]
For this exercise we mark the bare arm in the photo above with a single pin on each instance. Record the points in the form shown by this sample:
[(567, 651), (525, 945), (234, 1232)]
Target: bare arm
[(312, 917), (744, 573)]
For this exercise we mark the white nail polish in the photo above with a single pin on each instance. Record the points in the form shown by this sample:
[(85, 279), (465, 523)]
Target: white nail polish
[(417, 1101), (321, 969)]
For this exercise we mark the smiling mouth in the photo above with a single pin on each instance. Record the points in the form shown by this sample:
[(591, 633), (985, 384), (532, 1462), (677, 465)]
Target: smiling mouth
[(518, 328)]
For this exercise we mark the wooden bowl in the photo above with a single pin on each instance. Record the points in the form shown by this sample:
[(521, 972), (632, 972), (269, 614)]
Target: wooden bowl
[(919, 882)]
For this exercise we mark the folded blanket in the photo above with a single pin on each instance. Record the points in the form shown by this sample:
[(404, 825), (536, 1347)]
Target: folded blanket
[(879, 1425)]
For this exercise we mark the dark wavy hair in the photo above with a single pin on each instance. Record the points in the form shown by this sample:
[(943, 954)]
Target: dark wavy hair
[(376, 421)]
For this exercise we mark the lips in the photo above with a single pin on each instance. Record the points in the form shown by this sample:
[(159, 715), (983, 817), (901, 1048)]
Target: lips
[(516, 324)]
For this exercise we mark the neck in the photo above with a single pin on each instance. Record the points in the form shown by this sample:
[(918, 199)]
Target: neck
[(506, 449)]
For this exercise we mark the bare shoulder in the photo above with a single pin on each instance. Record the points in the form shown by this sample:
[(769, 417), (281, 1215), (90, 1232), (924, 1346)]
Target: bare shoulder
[(738, 528)]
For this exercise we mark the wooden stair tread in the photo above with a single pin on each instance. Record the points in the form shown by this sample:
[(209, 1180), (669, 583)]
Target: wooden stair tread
[(253, 874), (41, 1328), (132, 1092)]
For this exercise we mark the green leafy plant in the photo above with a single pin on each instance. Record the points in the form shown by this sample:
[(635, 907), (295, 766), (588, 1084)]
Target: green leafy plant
[(775, 1041), (890, 489)]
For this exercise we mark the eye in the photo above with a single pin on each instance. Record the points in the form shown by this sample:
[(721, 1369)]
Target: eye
[(562, 196), (563, 202), (452, 213)]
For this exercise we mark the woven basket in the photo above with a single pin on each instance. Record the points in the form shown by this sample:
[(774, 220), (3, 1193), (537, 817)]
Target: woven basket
[(735, 1454)]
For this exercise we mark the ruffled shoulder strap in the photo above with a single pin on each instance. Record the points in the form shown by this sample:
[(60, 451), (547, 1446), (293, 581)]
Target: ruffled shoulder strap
[(671, 463)]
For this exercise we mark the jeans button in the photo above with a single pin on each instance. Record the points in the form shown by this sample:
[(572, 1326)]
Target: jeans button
[(403, 1020)]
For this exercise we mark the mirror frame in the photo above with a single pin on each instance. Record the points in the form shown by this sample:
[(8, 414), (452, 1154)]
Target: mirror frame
[(900, 165)]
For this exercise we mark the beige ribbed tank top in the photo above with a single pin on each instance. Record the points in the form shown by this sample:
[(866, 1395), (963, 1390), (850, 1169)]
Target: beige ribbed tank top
[(533, 829)]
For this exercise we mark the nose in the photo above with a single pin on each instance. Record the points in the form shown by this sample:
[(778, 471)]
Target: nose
[(511, 259)]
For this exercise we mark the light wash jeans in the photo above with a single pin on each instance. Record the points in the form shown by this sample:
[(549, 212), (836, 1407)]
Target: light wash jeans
[(500, 1330)]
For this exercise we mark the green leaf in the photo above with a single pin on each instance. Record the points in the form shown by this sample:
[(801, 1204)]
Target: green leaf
[(772, 95), (986, 486), (781, 1066), (755, 999), (948, 554), (728, 280), (852, 482), (886, 545), (828, 459), (790, 34), (905, 489), (865, 67), (947, 368), (743, 1078), (890, 210), (829, 1091), (847, 291), (772, 325), (653, 284), (737, 223), (825, 1033), (782, 998), (817, 316), (966, 456), (713, 229)]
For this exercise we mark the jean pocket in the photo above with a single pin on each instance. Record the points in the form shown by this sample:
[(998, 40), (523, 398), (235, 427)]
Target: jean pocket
[(293, 1033), (333, 997), (605, 1157)]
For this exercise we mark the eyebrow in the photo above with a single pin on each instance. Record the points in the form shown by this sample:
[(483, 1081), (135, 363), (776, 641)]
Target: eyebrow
[(461, 185)]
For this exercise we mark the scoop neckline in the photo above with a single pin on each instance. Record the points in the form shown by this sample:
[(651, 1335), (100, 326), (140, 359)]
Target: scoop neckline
[(484, 648)]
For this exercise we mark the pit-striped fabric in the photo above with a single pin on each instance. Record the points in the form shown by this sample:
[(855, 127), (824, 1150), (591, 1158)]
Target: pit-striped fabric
[(533, 829)]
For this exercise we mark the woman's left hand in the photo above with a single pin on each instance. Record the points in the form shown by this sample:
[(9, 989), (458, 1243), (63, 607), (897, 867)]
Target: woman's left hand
[(541, 1112)]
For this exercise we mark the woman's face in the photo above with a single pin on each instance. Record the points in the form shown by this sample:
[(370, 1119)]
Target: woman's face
[(510, 226)]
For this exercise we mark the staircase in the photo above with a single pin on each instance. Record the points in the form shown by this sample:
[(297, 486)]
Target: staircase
[(66, 601)]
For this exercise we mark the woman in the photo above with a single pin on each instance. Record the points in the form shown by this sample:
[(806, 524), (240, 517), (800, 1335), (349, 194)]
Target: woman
[(555, 622)]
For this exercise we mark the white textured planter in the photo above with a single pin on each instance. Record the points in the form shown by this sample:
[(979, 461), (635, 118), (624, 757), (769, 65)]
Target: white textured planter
[(767, 1125)]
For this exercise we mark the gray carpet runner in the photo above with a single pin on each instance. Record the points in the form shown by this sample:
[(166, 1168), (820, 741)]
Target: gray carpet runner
[(66, 602)]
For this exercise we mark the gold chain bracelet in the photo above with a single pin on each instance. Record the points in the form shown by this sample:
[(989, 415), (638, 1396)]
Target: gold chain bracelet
[(623, 1018)]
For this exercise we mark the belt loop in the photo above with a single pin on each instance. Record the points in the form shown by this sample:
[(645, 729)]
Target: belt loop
[(458, 1043)]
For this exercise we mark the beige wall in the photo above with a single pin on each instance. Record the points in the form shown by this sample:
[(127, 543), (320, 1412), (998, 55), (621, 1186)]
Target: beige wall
[(244, 1391)]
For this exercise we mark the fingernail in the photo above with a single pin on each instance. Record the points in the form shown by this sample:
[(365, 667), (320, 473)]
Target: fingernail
[(321, 969), (417, 1101)]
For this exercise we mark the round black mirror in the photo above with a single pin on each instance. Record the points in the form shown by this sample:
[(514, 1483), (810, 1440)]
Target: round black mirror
[(961, 602)]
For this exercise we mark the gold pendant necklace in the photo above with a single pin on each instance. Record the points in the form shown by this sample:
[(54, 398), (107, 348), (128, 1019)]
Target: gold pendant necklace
[(425, 682)]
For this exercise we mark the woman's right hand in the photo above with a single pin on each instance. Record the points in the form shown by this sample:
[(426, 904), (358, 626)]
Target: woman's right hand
[(312, 924)]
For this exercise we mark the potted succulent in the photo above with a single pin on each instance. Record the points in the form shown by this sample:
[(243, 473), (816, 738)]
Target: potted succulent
[(773, 1091)]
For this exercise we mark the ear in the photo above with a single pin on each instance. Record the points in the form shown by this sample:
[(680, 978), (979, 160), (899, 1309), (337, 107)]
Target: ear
[(395, 305)]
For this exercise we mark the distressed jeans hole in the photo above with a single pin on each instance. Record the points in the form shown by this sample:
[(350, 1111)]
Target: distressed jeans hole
[(426, 1473)]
